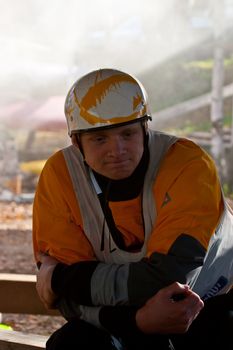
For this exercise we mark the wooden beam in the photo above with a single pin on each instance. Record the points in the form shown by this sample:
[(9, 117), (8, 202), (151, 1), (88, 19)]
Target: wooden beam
[(18, 295), (204, 138), (14, 340), (163, 116)]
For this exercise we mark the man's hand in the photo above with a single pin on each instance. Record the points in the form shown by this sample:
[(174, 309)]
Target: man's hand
[(167, 312), (43, 284)]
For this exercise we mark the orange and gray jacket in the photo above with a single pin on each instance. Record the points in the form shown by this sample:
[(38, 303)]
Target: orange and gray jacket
[(178, 220)]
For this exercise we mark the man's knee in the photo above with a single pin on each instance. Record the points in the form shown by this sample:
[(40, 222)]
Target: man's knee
[(78, 335)]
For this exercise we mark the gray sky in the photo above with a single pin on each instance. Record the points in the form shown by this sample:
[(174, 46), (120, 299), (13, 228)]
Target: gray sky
[(47, 42)]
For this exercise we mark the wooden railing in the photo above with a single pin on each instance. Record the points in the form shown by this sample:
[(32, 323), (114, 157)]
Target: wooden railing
[(203, 138), (18, 295)]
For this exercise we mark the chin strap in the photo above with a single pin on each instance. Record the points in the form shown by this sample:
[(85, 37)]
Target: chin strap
[(108, 218)]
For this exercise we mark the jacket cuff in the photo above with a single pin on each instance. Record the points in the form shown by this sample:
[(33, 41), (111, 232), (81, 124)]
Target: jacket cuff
[(74, 281)]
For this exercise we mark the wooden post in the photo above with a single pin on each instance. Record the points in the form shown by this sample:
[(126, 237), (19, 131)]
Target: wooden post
[(217, 146), (232, 122)]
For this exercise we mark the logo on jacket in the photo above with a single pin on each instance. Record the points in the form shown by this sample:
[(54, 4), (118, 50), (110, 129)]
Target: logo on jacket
[(219, 285), (166, 200)]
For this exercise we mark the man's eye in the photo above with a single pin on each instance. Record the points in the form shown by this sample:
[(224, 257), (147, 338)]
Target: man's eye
[(99, 139), (128, 134)]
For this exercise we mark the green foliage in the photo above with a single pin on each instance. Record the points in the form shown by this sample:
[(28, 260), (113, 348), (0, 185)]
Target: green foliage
[(227, 191), (207, 64), (227, 120), (189, 127), (186, 75)]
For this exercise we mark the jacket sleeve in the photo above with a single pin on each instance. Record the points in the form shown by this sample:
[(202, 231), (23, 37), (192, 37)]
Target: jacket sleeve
[(57, 224), (176, 249)]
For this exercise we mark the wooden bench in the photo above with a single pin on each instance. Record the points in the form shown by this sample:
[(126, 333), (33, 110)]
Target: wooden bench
[(14, 340), (18, 295)]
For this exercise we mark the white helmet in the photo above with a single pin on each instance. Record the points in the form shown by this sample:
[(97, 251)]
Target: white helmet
[(105, 98)]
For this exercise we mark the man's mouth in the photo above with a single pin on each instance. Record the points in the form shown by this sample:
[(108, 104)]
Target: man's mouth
[(118, 162)]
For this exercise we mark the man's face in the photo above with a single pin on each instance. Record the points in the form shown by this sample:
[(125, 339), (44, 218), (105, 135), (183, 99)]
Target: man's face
[(114, 153)]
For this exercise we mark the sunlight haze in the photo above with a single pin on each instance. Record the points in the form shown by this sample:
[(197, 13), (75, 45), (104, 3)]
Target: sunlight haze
[(54, 42)]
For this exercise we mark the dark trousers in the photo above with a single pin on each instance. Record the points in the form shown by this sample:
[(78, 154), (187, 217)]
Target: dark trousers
[(212, 330), (79, 335)]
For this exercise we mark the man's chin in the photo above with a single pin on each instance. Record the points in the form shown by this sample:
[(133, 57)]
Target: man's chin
[(119, 176)]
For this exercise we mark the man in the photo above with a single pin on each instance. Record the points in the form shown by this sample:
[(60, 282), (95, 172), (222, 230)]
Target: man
[(134, 217)]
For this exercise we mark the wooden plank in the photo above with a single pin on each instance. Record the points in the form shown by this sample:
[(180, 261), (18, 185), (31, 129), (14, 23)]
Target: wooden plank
[(204, 138), (18, 295), (14, 340), (161, 117), (207, 134)]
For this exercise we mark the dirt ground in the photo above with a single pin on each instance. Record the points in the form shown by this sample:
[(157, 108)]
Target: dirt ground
[(16, 256)]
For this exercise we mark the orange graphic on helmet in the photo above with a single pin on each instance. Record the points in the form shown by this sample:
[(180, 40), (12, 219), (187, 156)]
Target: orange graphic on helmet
[(97, 93)]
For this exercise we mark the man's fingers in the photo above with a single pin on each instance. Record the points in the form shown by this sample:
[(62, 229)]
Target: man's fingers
[(44, 276), (177, 289)]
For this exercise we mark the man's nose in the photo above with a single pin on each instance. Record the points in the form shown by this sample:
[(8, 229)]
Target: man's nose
[(116, 146)]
